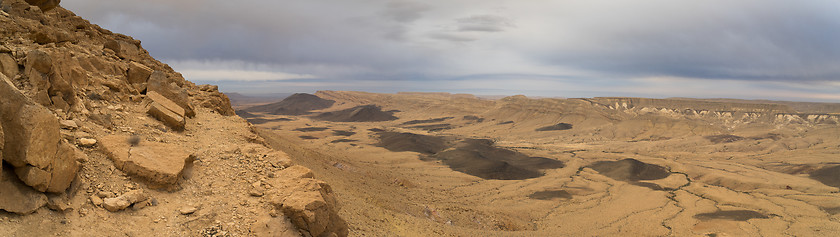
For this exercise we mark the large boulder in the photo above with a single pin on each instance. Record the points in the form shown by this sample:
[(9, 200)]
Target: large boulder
[(158, 163), (32, 143), (166, 111), (163, 85), (309, 203), (45, 5)]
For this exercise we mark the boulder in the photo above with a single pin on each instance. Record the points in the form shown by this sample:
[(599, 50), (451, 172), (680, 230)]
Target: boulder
[(166, 111), (45, 5), (32, 142), (157, 162), (17, 197), (138, 75), (123, 49), (32, 133), (55, 178), (2, 143), (8, 65), (268, 226), (163, 85), (309, 203)]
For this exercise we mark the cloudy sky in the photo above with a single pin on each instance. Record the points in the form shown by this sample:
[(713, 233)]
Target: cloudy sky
[(751, 49)]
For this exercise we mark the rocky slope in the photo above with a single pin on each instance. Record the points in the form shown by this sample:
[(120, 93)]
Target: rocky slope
[(100, 139)]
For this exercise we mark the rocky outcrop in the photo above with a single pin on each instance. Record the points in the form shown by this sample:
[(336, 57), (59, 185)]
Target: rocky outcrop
[(210, 97), (32, 142), (309, 203), (159, 163)]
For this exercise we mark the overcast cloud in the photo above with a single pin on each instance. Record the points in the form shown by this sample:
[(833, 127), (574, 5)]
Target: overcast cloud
[(750, 49)]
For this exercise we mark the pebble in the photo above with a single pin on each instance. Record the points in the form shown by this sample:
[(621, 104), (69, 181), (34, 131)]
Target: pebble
[(186, 210), (87, 142)]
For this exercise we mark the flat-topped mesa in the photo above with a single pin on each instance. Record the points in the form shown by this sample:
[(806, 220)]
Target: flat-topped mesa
[(696, 105)]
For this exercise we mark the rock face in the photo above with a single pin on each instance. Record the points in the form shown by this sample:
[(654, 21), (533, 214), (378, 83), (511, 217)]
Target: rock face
[(32, 142), (157, 162), (166, 111), (309, 203), (45, 5)]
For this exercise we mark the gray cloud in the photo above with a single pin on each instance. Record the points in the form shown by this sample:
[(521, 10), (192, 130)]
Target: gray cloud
[(484, 23), (594, 44)]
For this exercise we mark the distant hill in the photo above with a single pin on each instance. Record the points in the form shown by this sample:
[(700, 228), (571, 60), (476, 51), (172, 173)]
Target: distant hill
[(296, 104)]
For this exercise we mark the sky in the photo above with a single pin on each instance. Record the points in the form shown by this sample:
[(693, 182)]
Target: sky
[(746, 49)]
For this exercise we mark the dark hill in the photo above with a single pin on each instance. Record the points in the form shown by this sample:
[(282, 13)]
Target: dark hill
[(364, 113), (297, 104)]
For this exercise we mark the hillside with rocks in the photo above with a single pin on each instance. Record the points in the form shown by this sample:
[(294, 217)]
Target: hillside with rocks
[(100, 139)]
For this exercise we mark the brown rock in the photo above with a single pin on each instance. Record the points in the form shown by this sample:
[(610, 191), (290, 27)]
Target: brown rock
[(158, 162), (115, 204), (163, 85), (211, 98), (311, 206), (166, 111), (41, 37), (8, 65), (39, 60), (138, 75), (96, 200), (64, 168), (45, 5), (186, 210), (37, 67), (38, 179), (274, 227), (68, 124), (17, 197), (294, 172), (125, 200), (87, 142), (124, 50), (32, 132)]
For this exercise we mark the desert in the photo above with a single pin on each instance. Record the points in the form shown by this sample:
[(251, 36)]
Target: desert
[(98, 137)]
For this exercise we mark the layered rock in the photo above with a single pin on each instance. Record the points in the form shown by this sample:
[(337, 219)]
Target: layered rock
[(159, 83), (157, 162), (166, 111)]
